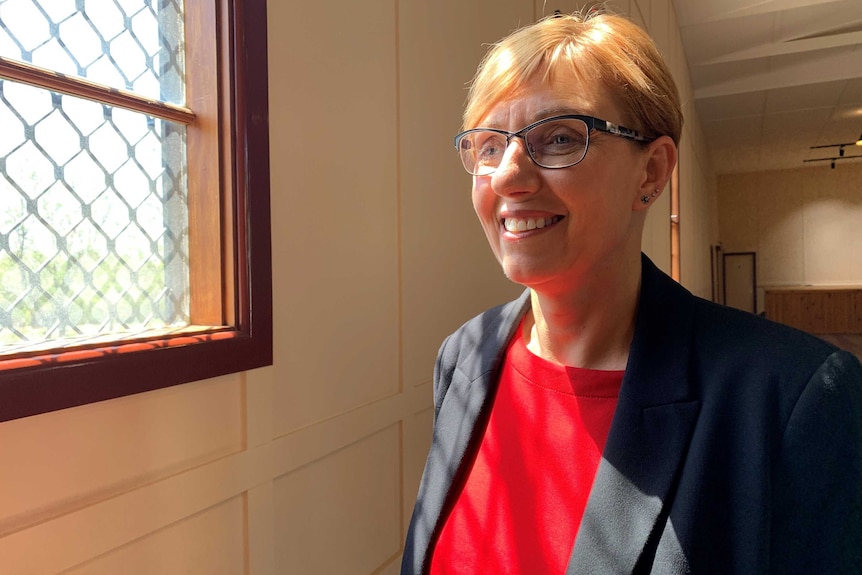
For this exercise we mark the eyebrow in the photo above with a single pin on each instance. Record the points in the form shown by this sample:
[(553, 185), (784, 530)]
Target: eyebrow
[(558, 111), (545, 113)]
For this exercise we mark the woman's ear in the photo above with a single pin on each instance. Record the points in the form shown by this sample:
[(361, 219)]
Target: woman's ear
[(661, 156)]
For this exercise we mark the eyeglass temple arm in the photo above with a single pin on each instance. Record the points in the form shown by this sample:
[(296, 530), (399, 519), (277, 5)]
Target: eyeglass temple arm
[(612, 128)]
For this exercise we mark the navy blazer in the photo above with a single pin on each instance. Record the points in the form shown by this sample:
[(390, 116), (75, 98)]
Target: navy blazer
[(735, 448)]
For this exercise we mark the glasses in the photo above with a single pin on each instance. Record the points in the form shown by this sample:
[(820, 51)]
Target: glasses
[(557, 142)]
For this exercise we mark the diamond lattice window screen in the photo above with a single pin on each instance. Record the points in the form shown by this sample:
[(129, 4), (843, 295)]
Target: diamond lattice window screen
[(93, 196), (135, 216)]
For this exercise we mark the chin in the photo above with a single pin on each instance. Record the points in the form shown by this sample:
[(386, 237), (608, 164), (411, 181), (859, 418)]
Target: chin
[(525, 276)]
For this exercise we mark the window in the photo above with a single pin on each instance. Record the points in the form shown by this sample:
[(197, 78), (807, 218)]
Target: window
[(134, 197)]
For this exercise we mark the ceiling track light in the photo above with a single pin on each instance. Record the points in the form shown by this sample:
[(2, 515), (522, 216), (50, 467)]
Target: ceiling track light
[(834, 159), (841, 152), (838, 145)]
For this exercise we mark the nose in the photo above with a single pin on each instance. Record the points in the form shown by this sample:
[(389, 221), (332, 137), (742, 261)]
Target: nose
[(516, 174)]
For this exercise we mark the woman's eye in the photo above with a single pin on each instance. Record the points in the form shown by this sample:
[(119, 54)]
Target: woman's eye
[(490, 147), (558, 139), (564, 137)]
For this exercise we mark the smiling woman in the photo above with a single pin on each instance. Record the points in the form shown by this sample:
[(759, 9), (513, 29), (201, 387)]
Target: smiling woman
[(134, 226), (608, 421)]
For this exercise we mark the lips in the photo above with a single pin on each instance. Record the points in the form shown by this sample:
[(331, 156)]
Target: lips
[(527, 224)]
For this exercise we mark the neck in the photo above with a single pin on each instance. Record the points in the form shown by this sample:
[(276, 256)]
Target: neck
[(590, 325)]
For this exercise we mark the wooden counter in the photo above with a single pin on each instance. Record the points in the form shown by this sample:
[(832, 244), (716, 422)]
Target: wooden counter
[(816, 309)]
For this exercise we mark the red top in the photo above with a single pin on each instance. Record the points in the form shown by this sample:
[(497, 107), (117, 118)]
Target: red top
[(520, 506)]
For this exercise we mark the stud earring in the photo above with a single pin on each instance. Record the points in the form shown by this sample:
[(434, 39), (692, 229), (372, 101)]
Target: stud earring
[(644, 200), (655, 193)]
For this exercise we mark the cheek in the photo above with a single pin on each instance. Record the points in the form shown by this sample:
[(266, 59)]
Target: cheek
[(485, 206), (484, 201)]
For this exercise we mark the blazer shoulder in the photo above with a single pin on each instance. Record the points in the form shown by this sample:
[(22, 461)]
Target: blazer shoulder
[(491, 328), (758, 338), (477, 346), (741, 355)]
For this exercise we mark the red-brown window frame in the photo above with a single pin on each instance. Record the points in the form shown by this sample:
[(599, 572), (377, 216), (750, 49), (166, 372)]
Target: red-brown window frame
[(38, 383)]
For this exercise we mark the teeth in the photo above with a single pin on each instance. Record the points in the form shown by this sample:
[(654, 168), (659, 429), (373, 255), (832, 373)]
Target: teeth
[(523, 225)]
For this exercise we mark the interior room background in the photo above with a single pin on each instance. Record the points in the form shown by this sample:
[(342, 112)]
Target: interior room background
[(310, 466)]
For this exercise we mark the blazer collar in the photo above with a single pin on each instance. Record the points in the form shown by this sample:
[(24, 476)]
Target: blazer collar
[(649, 435)]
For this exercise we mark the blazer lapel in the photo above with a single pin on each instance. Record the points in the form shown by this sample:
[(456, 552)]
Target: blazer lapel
[(648, 439), (465, 405)]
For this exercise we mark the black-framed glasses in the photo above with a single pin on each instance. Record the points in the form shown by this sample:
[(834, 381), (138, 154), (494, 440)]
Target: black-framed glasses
[(556, 142)]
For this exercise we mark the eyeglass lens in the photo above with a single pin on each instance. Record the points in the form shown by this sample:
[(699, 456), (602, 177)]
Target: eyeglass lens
[(555, 144)]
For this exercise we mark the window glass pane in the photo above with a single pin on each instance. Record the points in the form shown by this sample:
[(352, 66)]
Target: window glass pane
[(93, 219), (133, 45)]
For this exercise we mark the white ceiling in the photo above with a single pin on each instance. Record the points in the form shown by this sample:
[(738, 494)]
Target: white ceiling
[(774, 77)]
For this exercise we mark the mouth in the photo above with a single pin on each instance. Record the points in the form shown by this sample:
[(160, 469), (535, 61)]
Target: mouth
[(514, 225)]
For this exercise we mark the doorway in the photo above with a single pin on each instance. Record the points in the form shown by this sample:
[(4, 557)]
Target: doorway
[(739, 274)]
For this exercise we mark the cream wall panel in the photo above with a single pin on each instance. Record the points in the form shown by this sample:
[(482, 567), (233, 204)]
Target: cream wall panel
[(300, 448), (833, 226), (259, 406), (709, 220), (416, 443), (637, 17), (71, 539), (618, 6), (57, 462), (687, 210), (259, 497), (644, 11), (393, 568), (493, 19), (341, 514), (261, 529), (333, 109), (675, 58), (678, 64), (780, 232), (698, 231), (687, 205), (448, 271), (210, 543), (803, 223), (659, 24)]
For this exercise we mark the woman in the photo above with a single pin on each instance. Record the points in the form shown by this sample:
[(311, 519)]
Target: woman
[(608, 421)]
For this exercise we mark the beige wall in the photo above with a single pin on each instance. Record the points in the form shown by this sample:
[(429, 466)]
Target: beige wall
[(311, 466), (805, 225)]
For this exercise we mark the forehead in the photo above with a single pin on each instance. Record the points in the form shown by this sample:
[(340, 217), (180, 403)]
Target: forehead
[(563, 92)]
